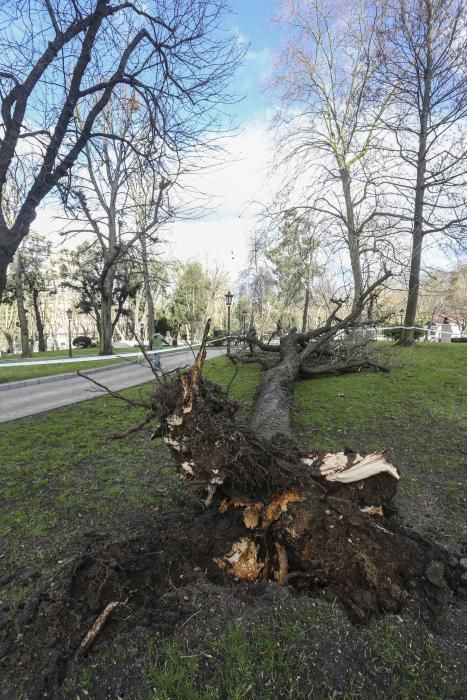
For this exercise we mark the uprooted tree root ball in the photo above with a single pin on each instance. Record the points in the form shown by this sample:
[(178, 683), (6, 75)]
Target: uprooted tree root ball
[(315, 522)]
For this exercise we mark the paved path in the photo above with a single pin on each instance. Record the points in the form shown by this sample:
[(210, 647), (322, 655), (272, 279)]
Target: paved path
[(37, 398)]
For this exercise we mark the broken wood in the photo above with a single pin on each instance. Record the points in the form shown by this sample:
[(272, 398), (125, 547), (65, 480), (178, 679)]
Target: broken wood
[(97, 627)]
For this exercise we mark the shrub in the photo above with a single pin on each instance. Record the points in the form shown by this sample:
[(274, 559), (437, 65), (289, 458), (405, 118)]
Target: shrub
[(82, 341), (395, 333)]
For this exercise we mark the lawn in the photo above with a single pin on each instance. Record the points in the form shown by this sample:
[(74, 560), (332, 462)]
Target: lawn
[(13, 374), (63, 484)]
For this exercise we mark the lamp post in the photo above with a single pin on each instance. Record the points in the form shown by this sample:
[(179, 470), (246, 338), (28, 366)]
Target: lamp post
[(401, 312), (69, 315), (228, 301)]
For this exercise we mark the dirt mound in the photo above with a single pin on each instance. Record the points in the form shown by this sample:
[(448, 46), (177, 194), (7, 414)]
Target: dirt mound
[(147, 576)]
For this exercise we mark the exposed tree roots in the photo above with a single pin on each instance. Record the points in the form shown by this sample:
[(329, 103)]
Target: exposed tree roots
[(296, 519)]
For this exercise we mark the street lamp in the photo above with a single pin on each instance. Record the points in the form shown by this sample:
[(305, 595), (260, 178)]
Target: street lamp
[(69, 315), (401, 313), (228, 301)]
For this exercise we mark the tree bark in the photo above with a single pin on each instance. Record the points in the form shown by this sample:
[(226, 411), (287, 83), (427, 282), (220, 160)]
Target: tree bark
[(106, 314), (39, 322), (274, 398), (9, 340), (306, 306), (6, 256), (352, 242), (147, 292), (408, 335), (23, 320)]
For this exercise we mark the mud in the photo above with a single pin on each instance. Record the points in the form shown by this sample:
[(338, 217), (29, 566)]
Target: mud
[(149, 575)]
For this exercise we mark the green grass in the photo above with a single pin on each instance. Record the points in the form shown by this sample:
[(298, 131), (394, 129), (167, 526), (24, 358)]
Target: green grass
[(283, 657), (60, 477), (13, 374), (63, 353)]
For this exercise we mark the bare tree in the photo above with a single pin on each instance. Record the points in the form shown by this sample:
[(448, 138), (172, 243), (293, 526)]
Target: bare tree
[(105, 204), (330, 123), (60, 58), (424, 53)]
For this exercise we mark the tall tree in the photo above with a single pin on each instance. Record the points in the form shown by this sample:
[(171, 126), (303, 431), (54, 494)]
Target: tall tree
[(81, 271), (21, 304), (295, 265), (59, 59), (330, 121), (257, 284), (190, 299), (35, 254), (102, 197), (424, 53)]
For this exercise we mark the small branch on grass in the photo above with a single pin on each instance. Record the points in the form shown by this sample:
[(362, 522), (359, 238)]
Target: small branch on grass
[(234, 376), (134, 429), (115, 394), (190, 618)]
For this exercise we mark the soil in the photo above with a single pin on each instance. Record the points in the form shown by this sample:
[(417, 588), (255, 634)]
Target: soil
[(157, 574)]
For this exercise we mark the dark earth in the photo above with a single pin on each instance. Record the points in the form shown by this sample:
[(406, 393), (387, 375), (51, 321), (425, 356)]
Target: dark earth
[(158, 575)]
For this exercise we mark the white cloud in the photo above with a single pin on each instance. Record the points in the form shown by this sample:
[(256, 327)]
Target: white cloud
[(236, 188)]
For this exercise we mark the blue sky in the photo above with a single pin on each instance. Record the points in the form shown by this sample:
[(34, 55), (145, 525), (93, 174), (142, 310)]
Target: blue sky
[(243, 178), (253, 19)]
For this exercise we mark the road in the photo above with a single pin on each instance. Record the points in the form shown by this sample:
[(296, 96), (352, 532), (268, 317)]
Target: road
[(37, 398)]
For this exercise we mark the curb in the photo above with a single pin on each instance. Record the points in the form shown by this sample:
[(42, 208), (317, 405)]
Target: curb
[(9, 386)]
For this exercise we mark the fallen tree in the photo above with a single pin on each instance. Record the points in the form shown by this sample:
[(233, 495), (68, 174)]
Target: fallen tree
[(315, 521), (271, 512)]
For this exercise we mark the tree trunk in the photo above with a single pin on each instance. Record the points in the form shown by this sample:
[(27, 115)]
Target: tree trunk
[(23, 321), (274, 397), (352, 241), (9, 244), (9, 341), (106, 315), (408, 335), (147, 292), (306, 307), (39, 322)]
